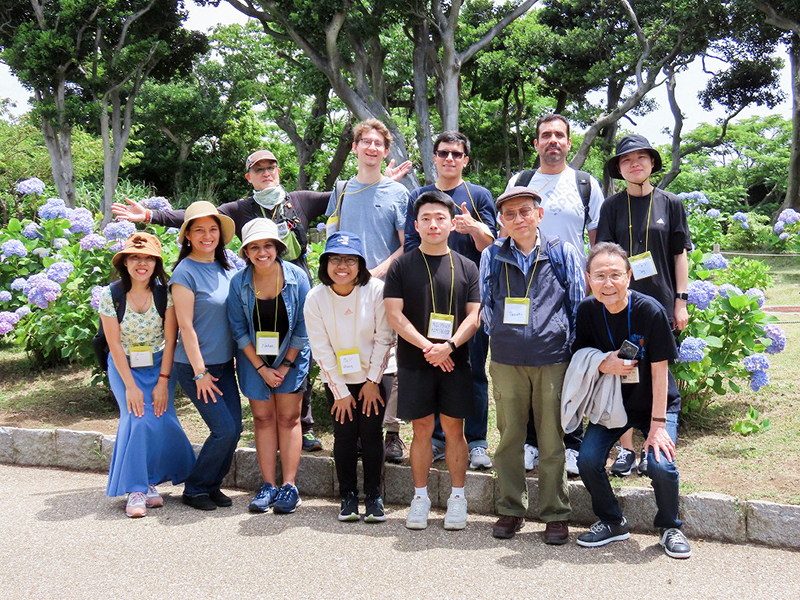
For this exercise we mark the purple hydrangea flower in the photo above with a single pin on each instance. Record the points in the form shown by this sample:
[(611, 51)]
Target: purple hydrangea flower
[(93, 241), (157, 203), (41, 291), (18, 284), (31, 231), (23, 311), (235, 260), (119, 230), (701, 293), (34, 185), (7, 321), (54, 208), (789, 216), (758, 380), (778, 227), (96, 292), (713, 213), (5, 296), (716, 261), (81, 221), (41, 252), (173, 230), (758, 295), (14, 248), (60, 243), (117, 245), (784, 236), (739, 216), (60, 271), (756, 362), (320, 226), (778, 337), (726, 290), (692, 350)]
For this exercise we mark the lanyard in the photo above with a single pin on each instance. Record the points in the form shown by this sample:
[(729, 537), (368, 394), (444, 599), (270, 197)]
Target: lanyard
[(277, 292), (608, 329), (351, 193), (477, 214), (533, 272), (647, 225), (452, 281), (550, 180), (335, 320)]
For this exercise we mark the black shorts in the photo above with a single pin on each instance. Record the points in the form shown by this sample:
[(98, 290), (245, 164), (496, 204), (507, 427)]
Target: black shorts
[(423, 392)]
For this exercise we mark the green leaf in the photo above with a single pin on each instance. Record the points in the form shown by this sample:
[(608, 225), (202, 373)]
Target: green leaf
[(14, 226), (714, 341), (739, 302)]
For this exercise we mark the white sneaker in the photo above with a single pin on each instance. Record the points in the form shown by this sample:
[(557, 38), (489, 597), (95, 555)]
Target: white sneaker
[(571, 457), (479, 459), (154, 499), (418, 513), (531, 457), (456, 515)]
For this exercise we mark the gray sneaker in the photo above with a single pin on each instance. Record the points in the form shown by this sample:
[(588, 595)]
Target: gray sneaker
[(479, 459), (675, 543), (456, 515), (601, 534), (418, 513)]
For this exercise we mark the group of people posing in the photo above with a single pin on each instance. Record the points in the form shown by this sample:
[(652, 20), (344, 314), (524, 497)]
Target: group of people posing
[(415, 289)]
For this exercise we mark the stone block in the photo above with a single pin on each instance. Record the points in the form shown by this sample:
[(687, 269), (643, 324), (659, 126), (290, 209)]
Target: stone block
[(478, 488), (533, 498), (399, 484), (359, 480), (773, 524), (79, 450), (639, 507), (35, 447), (6, 445), (581, 503), (713, 516), (248, 473), (107, 449), (315, 476)]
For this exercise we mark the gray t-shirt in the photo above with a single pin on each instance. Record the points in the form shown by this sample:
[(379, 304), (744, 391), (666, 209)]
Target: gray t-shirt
[(375, 213)]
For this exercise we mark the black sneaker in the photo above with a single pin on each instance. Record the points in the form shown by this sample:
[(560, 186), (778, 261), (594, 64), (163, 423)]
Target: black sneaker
[(601, 534), (625, 463), (394, 448), (349, 509), (675, 543), (311, 443), (201, 502), (643, 464), (374, 510), (220, 499)]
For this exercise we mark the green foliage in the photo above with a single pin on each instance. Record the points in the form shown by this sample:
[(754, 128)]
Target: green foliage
[(750, 423), (745, 274)]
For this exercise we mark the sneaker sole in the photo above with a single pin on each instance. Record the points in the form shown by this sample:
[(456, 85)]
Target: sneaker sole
[(479, 467), (254, 508), (617, 538), (623, 473), (455, 526), (395, 460), (675, 554), (136, 515), (349, 518), (416, 525), (374, 519), (156, 503), (279, 510)]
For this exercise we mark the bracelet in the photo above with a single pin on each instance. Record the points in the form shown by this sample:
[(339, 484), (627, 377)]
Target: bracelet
[(681, 296), (164, 376), (200, 376), (262, 366), (287, 363), (658, 419)]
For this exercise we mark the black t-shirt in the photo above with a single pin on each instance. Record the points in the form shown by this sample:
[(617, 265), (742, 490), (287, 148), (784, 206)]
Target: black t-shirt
[(408, 279), (668, 236), (265, 309), (649, 330)]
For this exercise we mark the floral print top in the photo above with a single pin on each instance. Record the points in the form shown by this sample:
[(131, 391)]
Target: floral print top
[(137, 329)]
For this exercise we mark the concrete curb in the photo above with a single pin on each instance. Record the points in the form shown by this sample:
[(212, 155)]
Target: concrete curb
[(706, 515)]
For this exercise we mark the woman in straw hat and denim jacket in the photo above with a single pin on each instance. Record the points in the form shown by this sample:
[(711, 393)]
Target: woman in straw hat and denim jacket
[(204, 355), (265, 310), (151, 446)]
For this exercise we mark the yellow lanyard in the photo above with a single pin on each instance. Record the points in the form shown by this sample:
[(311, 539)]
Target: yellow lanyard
[(549, 181), (647, 226), (452, 280), (277, 292), (528, 289), (475, 208), (344, 191), (335, 320)]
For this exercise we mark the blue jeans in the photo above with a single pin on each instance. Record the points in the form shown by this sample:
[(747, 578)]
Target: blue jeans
[(597, 443), (224, 420), (476, 425)]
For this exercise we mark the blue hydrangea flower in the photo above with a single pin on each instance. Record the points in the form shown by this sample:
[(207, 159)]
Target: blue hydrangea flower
[(5, 296), (14, 248), (54, 208), (789, 216), (701, 293), (23, 311), (41, 291), (18, 284), (119, 230), (173, 230), (157, 203), (758, 295), (34, 185), (739, 216), (41, 252), (117, 245), (713, 213), (778, 227), (60, 271), (81, 220), (96, 292), (60, 243), (716, 261), (320, 226), (7, 321), (756, 362), (727, 290), (93, 241), (778, 337), (235, 260), (758, 380), (745, 225), (692, 350), (784, 236), (694, 198), (31, 231)]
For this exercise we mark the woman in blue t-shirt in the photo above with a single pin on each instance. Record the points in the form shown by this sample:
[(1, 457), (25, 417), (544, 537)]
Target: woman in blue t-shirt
[(204, 355)]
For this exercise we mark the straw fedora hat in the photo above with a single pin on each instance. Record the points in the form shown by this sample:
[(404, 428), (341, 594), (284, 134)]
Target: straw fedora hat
[(206, 209)]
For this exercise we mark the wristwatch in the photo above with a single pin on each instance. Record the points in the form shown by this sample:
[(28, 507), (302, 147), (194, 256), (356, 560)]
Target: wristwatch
[(452, 345), (287, 363), (681, 296)]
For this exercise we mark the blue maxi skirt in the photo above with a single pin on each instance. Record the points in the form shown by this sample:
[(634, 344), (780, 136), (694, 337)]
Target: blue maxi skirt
[(149, 450)]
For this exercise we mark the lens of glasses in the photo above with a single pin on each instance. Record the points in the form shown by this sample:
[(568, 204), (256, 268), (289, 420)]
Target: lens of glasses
[(445, 153)]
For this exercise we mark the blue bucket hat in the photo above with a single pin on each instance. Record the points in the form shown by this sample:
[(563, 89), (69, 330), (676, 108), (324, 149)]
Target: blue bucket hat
[(344, 242)]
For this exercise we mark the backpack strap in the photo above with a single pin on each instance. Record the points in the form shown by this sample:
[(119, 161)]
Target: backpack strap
[(524, 177), (555, 250), (118, 294), (338, 190), (584, 183), (160, 299)]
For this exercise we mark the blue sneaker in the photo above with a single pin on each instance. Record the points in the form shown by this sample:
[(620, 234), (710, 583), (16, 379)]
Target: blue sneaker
[(265, 498), (288, 499)]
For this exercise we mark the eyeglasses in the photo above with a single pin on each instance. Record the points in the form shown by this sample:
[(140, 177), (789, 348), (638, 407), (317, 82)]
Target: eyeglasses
[(511, 215), (615, 277), (443, 154), (350, 261), (367, 143), (260, 170)]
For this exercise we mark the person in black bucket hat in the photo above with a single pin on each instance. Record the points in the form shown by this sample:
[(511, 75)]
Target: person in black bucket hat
[(651, 226)]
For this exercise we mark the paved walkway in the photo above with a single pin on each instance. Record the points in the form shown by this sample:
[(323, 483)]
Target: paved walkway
[(62, 538)]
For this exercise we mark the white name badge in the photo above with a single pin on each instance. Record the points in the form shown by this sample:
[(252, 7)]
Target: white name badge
[(632, 377), (517, 311), (440, 327), (267, 343), (141, 356), (349, 361), (643, 266), (283, 229)]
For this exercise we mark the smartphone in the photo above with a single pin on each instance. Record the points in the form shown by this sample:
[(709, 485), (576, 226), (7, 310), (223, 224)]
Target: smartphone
[(628, 350)]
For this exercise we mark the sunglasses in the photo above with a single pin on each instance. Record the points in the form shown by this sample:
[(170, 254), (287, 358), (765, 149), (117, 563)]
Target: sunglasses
[(445, 153)]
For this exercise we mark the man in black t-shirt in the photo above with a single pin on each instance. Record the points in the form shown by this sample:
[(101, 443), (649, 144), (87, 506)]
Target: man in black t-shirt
[(612, 321), (432, 300)]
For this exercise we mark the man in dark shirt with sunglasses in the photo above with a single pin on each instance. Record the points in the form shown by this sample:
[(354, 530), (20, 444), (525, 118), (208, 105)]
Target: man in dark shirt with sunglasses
[(475, 229)]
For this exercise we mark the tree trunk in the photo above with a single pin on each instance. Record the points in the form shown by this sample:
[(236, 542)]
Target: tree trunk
[(58, 139), (421, 106), (115, 130), (506, 140), (520, 146), (793, 189), (340, 155)]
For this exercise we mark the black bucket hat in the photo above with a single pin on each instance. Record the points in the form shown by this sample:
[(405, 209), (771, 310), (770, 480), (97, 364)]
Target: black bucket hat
[(631, 143)]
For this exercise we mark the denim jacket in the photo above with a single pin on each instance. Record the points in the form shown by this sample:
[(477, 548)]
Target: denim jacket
[(241, 304)]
